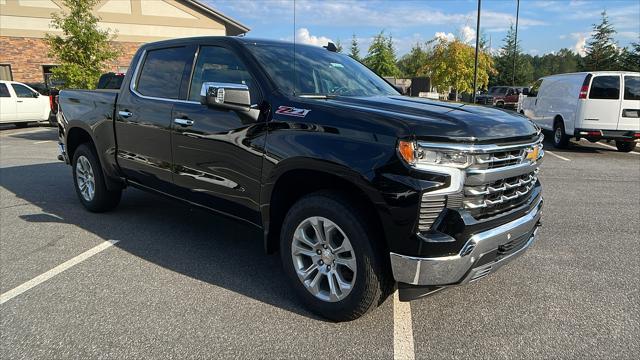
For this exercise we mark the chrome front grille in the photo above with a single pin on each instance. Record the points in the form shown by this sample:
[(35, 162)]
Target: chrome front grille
[(499, 192), (499, 159)]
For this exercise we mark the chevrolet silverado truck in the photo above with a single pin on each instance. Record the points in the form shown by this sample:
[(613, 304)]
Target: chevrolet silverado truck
[(359, 189)]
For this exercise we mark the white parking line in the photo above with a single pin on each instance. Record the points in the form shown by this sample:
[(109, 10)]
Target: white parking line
[(556, 155), (11, 133), (403, 348), (42, 142), (55, 271)]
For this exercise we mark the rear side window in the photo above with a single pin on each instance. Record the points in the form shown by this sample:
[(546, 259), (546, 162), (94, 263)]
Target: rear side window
[(162, 72), (632, 87), (23, 91), (4, 91), (605, 87)]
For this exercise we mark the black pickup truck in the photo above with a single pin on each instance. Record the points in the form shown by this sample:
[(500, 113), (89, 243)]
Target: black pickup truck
[(358, 188)]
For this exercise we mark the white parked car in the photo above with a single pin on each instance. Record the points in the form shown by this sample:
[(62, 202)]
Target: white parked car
[(20, 104), (592, 105)]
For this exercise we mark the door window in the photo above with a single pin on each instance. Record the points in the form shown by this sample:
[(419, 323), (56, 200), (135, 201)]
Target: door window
[(162, 72), (23, 91), (533, 92), (632, 87), (217, 64), (4, 91), (605, 87)]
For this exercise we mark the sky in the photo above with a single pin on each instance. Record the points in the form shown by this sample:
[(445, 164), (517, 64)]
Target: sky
[(544, 26)]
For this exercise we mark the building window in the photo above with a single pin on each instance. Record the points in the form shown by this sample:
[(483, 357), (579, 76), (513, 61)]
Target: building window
[(47, 72), (5, 72)]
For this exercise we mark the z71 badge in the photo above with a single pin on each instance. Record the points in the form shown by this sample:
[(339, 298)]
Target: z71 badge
[(291, 111)]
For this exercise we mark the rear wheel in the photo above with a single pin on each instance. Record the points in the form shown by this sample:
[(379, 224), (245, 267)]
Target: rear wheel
[(560, 138), (332, 257), (500, 104), (625, 146), (89, 181)]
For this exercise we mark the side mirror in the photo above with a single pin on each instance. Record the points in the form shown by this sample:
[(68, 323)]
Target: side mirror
[(525, 91), (228, 96)]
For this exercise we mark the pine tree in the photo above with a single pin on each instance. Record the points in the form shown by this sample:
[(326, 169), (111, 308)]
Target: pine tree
[(630, 58), (504, 63), (355, 49), (83, 50), (381, 57), (601, 49)]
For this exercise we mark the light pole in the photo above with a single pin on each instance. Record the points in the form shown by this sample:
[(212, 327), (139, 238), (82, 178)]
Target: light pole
[(515, 46), (475, 66)]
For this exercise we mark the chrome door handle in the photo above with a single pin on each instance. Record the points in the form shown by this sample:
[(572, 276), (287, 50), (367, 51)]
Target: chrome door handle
[(183, 122), (125, 114), (19, 101)]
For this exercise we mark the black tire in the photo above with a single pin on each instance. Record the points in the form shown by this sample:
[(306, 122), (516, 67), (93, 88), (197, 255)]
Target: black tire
[(500, 104), (560, 138), (625, 146), (103, 198), (21, 125), (373, 279)]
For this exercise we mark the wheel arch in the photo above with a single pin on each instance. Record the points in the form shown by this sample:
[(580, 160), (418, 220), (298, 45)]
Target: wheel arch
[(286, 189)]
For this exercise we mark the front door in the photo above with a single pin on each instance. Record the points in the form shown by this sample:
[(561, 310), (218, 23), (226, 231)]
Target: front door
[(28, 106), (218, 153), (143, 116)]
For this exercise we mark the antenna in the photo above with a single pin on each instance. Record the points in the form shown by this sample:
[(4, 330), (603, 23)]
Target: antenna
[(295, 73)]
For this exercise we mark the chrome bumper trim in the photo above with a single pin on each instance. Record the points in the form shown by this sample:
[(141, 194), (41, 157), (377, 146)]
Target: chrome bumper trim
[(455, 269)]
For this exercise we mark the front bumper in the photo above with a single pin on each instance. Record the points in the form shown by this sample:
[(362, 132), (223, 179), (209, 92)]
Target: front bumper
[(481, 255)]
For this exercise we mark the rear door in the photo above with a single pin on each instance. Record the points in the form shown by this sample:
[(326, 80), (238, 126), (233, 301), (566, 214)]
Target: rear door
[(28, 106), (630, 104), (143, 115), (218, 153), (7, 104), (602, 108)]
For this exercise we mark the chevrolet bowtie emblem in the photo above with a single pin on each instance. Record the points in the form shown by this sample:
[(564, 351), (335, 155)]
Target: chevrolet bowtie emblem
[(533, 152)]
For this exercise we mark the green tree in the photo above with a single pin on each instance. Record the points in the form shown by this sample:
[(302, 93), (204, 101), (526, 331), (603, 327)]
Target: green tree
[(601, 50), (83, 50), (381, 57), (413, 63), (355, 49), (630, 58), (504, 63), (451, 64)]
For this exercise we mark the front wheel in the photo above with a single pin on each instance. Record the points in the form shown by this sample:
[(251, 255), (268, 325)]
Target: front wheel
[(333, 258), (625, 146), (89, 181)]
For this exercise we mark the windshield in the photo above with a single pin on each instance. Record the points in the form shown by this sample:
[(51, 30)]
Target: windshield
[(497, 90), (318, 71)]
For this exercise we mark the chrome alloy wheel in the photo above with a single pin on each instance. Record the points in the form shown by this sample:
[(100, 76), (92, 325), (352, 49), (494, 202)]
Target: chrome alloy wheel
[(85, 179), (324, 259), (557, 135)]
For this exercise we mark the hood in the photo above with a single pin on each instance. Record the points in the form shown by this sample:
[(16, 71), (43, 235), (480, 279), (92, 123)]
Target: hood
[(435, 120)]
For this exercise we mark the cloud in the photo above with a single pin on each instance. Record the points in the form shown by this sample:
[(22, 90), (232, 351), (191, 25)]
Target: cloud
[(444, 36), (581, 42), (468, 34), (304, 36)]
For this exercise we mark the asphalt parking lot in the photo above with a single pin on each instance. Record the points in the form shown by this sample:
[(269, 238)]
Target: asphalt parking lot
[(183, 283)]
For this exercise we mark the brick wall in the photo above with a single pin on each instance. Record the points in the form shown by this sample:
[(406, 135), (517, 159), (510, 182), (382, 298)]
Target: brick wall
[(27, 55)]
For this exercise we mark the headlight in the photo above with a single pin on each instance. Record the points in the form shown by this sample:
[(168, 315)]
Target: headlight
[(413, 154), (444, 158)]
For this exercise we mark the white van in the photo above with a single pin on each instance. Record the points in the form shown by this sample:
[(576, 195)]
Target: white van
[(20, 104), (587, 105)]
